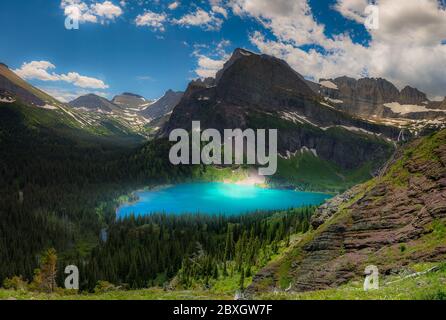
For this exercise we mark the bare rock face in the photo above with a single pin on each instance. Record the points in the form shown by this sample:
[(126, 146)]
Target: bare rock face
[(163, 106), (93, 102), (364, 97), (389, 222), (368, 97), (412, 96), (130, 101), (263, 92)]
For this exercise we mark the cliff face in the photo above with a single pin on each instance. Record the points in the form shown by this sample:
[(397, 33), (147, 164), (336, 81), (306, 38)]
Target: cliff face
[(263, 92), (378, 98), (394, 220), (163, 106), (411, 95)]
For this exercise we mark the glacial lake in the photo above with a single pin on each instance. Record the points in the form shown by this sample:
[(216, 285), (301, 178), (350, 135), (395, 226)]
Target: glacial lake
[(216, 198)]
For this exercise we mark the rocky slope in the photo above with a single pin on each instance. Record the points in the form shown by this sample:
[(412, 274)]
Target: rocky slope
[(100, 110), (93, 102), (394, 220), (164, 106), (131, 101), (260, 91), (378, 99), (39, 109), (15, 88)]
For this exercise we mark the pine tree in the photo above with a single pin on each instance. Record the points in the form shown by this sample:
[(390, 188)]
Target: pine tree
[(48, 271), (242, 280)]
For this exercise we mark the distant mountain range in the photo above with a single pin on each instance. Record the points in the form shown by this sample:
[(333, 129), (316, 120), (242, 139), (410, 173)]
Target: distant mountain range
[(93, 102), (260, 91), (378, 99), (163, 106), (127, 114), (256, 90)]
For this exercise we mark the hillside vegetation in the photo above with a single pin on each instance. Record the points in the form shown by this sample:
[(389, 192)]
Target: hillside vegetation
[(392, 221)]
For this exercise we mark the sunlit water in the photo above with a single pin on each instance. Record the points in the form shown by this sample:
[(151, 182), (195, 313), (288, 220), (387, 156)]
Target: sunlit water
[(217, 198)]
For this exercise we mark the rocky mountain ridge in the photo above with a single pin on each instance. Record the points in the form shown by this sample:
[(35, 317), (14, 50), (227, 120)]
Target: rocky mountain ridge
[(260, 91), (377, 98), (163, 106)]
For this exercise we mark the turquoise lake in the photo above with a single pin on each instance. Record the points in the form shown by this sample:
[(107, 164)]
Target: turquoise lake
[(217, 198)]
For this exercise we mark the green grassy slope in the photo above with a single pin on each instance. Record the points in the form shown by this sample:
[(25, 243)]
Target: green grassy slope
[(67, 124), (309, 172), (409, 286)]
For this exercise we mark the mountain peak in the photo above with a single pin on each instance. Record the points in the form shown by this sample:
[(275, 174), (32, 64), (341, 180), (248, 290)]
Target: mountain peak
[(163, 106), (132, 95), (130, 100), (246, 77), (92, 101)]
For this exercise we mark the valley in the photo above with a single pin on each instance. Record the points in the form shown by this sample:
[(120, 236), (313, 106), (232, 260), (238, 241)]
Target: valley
[(66, 168)]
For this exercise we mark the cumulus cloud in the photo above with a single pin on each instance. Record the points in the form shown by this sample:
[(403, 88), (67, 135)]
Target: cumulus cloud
[(65, 95), (174, 5), (152, 20), (407, 49), (107, 10), (94, 12), (208, 64), (288, 20), (352, 9), (41, 70), (201, 18), (220, 10)]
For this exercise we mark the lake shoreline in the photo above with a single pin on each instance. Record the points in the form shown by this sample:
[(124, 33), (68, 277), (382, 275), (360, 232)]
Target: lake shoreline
[(215, 198)]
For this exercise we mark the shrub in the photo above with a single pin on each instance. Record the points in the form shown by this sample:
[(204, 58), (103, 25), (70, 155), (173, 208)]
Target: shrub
[(15, 283), (440, 294), (104, 286)]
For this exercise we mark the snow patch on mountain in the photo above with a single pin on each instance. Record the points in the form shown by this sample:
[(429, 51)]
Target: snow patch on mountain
[(49, 107), (7, 100), (329, 85), (409, 108)]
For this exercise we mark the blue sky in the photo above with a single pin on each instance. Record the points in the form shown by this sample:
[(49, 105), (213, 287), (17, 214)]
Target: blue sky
[(147, 47)]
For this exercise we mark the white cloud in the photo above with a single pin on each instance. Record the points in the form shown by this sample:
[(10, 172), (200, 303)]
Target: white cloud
[(78, 10), (107, 10), (209, 64), (40, 70), (220, 10), (95, 12), (152, 20), (65, 95), (288, 20), (208, 67), (352, 9), (174, 5), (407, 49), (206, 20)]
